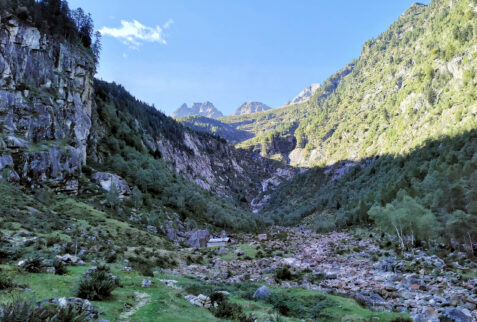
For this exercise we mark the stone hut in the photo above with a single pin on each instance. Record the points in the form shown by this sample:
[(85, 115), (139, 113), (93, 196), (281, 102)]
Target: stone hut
[(224, 241)]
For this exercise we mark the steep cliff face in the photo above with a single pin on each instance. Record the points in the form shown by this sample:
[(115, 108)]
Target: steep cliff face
[(220, 168), (46, 90)]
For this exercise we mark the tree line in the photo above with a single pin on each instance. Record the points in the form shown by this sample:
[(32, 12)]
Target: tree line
[(55, 18)]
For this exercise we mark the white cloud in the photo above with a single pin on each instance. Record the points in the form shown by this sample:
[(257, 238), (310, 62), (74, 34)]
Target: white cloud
[(168, 23), (133, 33)]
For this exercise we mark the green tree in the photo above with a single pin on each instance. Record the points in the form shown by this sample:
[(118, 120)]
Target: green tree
[(462, 227), (407, 219), (137, 197), (112, 197)]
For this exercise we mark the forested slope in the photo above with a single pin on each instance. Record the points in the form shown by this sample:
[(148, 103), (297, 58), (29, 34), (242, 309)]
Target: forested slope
[(395, 143)]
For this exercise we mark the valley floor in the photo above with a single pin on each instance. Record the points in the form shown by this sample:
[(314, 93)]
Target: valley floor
[(336, 276), (359, 265)]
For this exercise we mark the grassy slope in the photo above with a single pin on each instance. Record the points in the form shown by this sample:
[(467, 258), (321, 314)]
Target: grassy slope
[(168, 304)]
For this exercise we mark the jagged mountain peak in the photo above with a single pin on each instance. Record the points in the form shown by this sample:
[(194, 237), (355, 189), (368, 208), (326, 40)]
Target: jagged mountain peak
[(203, 109), (251, 107)]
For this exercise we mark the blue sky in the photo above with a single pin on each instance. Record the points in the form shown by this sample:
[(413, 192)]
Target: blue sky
[(170, 52)]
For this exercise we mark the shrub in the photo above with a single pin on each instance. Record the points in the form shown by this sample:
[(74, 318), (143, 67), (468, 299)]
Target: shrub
[(218, 297), (33, 265), (142, 265), (51, 240), (18, 310), (60, 267), (27, 310), (231, 311), (324, 224), (6, 281), (283, 274), (96, 284)]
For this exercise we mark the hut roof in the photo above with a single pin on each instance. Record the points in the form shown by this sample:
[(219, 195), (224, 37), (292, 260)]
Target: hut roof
[(218, 240)]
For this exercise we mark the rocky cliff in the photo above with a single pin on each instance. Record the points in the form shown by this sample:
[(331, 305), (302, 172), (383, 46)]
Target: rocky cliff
[(45, 107), (304, 95)]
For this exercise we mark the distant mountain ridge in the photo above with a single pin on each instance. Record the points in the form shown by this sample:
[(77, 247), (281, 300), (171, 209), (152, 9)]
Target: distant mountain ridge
[(304, 95), (206, 109), (251, 107)]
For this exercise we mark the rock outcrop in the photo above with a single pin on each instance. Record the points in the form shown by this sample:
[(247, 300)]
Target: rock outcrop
[(304, 95), (108, 180), (46, 90), (199, 238)]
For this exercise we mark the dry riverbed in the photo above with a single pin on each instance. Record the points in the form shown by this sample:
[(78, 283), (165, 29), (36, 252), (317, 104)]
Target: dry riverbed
[(358, 265)]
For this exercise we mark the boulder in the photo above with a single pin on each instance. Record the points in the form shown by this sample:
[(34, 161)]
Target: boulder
[(262, 293), (172, 234), (262, 237), (5, 161), (387, 264), (454, 315), (14, 143), (70, 259), (222, 250), (146, 283), (199, 238), (106, 180), (200, 300)]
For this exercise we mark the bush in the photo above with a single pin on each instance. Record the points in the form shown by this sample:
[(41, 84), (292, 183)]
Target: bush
[(96, 284), (142, 265), (18, 310), (324, 224), (33, 265), (27, 310), (60, 267), (231, 311), (300, 307), (6, 281), (283, 274)]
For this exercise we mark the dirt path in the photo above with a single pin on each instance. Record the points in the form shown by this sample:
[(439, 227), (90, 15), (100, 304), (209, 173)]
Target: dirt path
[(143, 298)]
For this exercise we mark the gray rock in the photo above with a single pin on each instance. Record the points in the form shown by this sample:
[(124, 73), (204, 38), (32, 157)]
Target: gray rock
[(14, 142), (261, 293), (107, 180), (70, 259), (152, 229), (146, 283), (386, 265), (30, 59), (172, 234), (5, 161), (454, 315), (222, 251), (199, 238)]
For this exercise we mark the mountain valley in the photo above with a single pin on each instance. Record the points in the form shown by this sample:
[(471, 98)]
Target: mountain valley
[(355, 201)]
